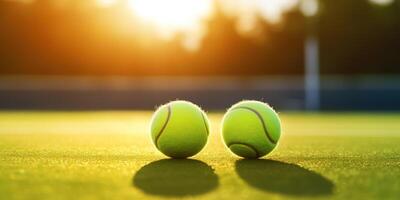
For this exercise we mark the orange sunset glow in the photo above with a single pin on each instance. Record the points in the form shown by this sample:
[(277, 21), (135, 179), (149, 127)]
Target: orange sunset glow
[(188, 18)]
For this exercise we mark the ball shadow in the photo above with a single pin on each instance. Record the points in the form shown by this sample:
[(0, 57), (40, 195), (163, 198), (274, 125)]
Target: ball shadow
[(176, 177), (283, 178)]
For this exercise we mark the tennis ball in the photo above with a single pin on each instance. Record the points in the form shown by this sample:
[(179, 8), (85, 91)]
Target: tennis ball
[(179, 129), (251, 129)]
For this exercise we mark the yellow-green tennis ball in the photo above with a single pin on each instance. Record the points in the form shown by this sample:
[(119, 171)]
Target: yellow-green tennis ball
[(251, 129), (179, 129)]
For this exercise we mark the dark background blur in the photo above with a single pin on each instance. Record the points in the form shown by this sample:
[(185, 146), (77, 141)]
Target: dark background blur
[(82, 56)]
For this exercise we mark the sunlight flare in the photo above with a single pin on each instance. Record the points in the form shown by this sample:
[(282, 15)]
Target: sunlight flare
[(175, 16), (106, 3)]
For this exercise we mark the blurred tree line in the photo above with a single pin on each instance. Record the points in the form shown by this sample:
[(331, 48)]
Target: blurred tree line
[(356, 37)]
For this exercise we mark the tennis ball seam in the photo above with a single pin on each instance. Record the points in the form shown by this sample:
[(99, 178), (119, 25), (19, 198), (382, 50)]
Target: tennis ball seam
[(205, 124), (164, 126), (261, 119), (247, 145)]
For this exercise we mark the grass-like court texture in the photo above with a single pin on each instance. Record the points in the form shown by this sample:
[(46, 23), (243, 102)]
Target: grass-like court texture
[(109, 155)]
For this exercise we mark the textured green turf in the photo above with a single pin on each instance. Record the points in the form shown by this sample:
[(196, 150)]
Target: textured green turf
[(109, 155)]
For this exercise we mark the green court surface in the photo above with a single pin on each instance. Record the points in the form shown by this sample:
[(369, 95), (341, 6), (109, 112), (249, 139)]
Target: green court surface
[(109, 155)]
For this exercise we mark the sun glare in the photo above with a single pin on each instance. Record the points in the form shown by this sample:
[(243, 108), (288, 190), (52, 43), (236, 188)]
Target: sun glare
[(174, 16), (187, 17), (106, 3)]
